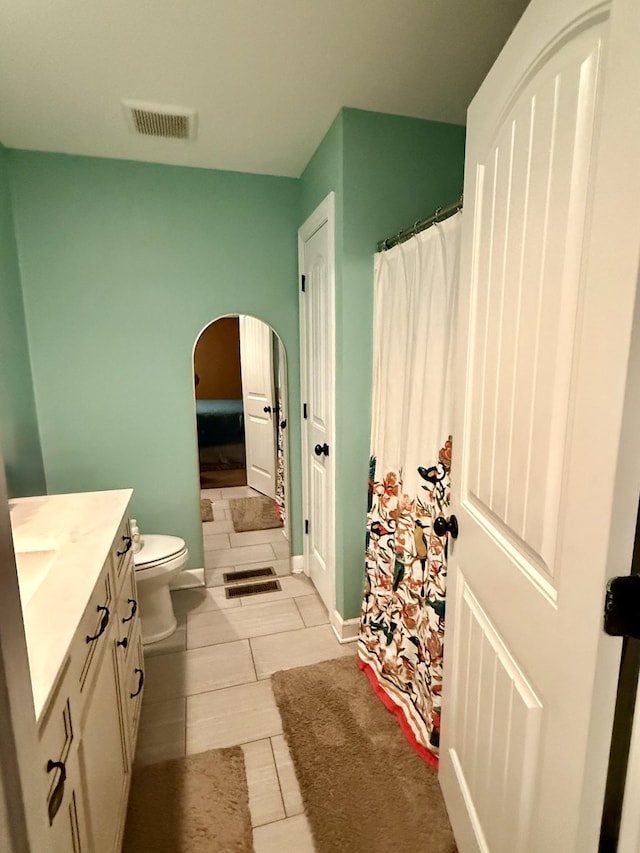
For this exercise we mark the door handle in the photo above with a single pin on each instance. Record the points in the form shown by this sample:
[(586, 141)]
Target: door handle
[(321, 449), (442, 525), (622, 607), (267, 410)]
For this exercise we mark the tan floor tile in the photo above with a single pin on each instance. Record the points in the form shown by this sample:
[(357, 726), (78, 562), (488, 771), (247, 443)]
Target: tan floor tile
[(187, 602), (291, 587), (281, 550), (258, 537), (205, 629), (297, 648), (231, 716), (212, 494), (287, 775), (211, 527), (238, 556), (312, 610), (216, 541), (292, 834), (280, 567), (239, 492), (198, 671), (265, 800), (162, 731), (177, 642), (219, 507)]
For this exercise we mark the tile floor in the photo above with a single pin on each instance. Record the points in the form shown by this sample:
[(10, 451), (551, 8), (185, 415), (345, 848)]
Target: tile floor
[(209, 684)]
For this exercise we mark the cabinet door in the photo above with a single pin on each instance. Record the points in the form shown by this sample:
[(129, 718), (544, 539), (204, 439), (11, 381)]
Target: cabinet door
[(133, 689), (104, 758), (67, 831)]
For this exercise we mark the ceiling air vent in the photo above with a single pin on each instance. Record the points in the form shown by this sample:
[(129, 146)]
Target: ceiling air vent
[(158, 120)]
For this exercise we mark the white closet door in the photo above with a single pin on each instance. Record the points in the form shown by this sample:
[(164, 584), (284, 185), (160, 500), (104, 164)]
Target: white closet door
[(256, 359)]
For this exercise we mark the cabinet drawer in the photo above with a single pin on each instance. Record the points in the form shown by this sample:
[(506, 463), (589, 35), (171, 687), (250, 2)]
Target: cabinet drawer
[(127, 615), (93, 631), (121, 551)]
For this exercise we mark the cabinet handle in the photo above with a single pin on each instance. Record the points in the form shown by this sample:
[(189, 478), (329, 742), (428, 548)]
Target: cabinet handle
[(103, 624), (134, 610), (55, 800), (140, 683), (128, 540), (124, 643)]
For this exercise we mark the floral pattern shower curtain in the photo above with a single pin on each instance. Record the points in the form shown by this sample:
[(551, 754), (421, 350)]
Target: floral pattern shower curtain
[(403, 612)]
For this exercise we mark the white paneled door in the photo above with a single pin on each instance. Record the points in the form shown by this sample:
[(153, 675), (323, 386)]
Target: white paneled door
[(316, 261), (256, 361), (545, 478)]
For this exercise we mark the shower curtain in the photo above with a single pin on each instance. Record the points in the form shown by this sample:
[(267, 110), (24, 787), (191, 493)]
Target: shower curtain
[(403, 612)]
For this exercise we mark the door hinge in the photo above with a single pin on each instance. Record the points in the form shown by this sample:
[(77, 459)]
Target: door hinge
[(306, 525), (304, 411), (303, 283)]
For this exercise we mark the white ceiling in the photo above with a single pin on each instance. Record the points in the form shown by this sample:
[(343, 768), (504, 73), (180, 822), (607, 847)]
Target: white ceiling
[(267, 77)]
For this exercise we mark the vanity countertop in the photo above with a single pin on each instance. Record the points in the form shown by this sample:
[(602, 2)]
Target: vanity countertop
[(61, 544)]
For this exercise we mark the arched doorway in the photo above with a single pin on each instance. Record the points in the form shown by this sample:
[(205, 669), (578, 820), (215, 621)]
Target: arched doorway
[(240, 392)]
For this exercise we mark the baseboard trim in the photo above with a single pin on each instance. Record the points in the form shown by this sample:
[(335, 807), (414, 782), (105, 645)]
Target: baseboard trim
[(346, 630), (188, 579), (297, 564)]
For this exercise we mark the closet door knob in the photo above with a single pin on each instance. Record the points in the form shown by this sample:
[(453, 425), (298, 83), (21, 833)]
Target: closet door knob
[(267, 409), (321, 449), (442, 526)]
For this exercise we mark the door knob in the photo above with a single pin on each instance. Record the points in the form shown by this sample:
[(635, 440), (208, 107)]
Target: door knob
[(442, 525), (267, 409), (622, 607), (321, 449)]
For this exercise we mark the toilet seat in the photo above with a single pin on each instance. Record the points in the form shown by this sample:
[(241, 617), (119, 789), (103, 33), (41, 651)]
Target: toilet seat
[(158, 550)]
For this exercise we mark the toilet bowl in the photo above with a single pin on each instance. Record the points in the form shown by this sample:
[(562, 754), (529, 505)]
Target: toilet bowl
[(157, 563)]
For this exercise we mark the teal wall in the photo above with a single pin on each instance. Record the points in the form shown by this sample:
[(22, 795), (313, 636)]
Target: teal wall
[(123, 264), (387, 172), (19, 437)]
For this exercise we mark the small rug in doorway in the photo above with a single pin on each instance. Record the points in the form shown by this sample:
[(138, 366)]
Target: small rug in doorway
[(259, 513), (195, 804), (206, 510), (364, 789)]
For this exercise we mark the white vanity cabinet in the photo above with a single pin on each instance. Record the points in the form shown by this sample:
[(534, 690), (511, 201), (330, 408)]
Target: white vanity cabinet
[(88, 726)]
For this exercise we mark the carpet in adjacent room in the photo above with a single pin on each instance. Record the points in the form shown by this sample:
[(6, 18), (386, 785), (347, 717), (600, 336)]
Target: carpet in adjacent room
[(364, 789), (257, 513), (195, 804)]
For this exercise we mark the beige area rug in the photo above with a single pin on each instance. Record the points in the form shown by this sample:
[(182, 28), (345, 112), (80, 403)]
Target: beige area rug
[(206, 510), (196, 804), (364, 789), (254, 514)]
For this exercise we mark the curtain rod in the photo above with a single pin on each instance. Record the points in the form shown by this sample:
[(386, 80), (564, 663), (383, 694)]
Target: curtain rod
[(441, 214)]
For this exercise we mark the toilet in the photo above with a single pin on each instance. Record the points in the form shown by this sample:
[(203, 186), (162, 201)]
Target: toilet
[(158, 561)]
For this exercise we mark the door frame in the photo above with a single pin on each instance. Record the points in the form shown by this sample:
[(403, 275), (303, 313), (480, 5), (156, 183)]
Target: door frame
[(287, 472), (323, 214)]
